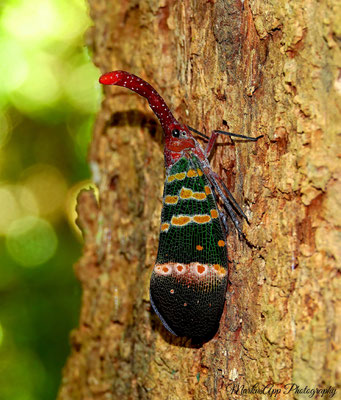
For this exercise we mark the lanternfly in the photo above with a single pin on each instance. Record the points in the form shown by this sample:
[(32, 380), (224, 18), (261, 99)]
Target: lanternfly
[(189, 280)]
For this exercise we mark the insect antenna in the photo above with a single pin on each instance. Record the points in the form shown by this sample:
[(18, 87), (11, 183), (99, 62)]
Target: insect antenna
[(254, 139), (198, 133)]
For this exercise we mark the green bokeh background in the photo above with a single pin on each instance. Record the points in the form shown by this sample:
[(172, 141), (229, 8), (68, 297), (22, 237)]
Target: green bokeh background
[(49, 95)]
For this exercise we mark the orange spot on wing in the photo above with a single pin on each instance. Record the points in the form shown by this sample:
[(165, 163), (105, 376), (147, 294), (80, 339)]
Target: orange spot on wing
[(164, 227), (171, 199), (199, 196), (221, 243), (186, 193), (180, 221), (179, 268), (201, 269), (217, 267), (199, 247), (165, 269), (180, 176), (214, 213), (208, 190), (201, 219), (200, 173), (191, 173)]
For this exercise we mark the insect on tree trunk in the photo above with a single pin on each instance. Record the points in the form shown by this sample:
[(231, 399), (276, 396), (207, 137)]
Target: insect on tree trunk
[(260, 68)]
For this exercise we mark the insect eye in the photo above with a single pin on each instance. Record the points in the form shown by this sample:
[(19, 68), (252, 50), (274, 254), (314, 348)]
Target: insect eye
[(175, 133)]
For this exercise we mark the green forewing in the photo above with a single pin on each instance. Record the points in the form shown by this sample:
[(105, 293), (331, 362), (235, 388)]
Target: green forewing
[(178, 244)]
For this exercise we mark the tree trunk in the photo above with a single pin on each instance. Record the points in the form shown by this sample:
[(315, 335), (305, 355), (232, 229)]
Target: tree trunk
[(269, 68)]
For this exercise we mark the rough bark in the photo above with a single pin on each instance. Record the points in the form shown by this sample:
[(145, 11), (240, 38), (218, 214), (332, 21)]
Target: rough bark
[(269, 68)]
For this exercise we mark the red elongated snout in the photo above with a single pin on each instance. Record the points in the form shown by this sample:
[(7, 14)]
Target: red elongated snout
[(144, 89), (110, 78), (177, 136)]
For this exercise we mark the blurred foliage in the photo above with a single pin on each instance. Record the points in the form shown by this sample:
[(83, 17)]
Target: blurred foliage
[(48, 98)]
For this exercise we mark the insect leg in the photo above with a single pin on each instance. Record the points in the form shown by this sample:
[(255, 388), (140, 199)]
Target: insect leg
[(214, 180), (223, 219), (222, 214), (233, 200), (212, 139), (216, 133), (227, 204), (211, 143)]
